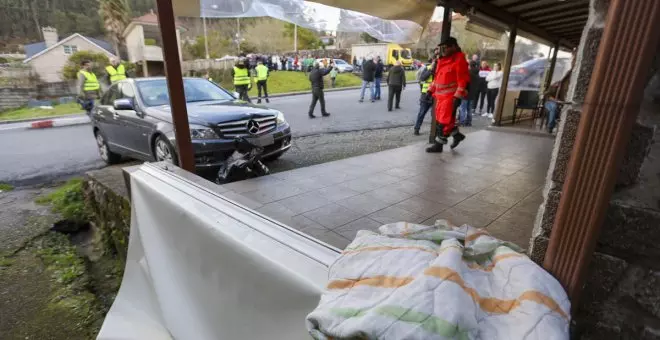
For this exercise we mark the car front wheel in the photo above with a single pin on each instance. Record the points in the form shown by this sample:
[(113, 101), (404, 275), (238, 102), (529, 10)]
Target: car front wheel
[(164, 151), (107, 156)]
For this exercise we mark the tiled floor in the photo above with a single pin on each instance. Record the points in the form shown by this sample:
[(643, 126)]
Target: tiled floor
[(492, 180)]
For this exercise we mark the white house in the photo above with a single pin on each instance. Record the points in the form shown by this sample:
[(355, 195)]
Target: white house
[(48, 57), (144, 44)]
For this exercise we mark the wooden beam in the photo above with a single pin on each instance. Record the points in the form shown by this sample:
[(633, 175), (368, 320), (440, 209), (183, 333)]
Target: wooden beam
[(557, 25), (559, 15), (444, 34), (175, 85), (556, 8), (505, 75), (609, 111), (551, 70), (527, 5)]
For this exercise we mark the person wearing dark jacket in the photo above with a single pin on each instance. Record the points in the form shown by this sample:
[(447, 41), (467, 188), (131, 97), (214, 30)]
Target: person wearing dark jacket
[(396, 81), (368, 77), (482, 89), (465, 115), (425, 100), (316, 78), (378, 77)]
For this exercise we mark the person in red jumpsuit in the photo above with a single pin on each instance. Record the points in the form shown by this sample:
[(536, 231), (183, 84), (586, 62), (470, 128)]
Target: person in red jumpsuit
[(449, 87)]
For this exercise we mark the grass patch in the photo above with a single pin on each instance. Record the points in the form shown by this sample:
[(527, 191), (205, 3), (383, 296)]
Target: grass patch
[(6, 262), (67, 200), (6, 187), (36, 112)]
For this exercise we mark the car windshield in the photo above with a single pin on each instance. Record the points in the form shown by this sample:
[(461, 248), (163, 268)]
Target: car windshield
[(405, 54), (339, 62), (154, 92)]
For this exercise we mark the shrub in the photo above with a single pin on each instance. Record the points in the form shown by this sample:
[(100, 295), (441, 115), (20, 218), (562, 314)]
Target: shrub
[(99, 62)]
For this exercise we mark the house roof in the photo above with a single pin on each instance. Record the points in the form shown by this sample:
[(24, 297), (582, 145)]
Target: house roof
[(36, 49)]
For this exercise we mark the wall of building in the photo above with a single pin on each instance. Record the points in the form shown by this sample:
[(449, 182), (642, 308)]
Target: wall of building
[(48, 66), (621, 299), (134, 41)]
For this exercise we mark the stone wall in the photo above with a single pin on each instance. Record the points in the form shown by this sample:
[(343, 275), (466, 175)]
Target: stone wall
[(14, 97), (621, 299)]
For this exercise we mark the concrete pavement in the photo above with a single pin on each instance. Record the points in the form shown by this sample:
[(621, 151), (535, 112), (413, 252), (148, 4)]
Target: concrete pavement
[(35, 156)]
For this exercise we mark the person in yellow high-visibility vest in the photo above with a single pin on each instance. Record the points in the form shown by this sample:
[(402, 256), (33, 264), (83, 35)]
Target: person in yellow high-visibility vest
[(262, 80), (425, 100), (116, 71), (89, 87), (242, 82)]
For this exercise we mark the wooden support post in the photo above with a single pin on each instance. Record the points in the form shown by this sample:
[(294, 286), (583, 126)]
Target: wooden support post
[(551, 70), (499, 107), (175, 85), (629, 42), (446, 32)]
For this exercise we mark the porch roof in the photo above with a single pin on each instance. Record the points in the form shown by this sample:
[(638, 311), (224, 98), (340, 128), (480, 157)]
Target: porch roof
[(553, 20)]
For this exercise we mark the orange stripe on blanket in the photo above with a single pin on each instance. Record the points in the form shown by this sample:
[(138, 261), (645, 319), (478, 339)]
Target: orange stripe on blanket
[(492, 265), (376, 281), (476, 234), (494, 305)]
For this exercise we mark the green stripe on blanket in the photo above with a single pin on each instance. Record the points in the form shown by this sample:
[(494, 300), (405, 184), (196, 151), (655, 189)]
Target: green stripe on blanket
[(428, 322)]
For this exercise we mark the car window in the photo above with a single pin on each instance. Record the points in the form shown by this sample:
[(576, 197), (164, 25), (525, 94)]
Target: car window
[(110, 95), (395, 54), (155, 93), (339, 62), (405, 54)]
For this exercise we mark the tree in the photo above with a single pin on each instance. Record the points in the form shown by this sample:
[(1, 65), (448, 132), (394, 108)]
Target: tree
[(367, 38), (116, 16), (99, 62), (266, 37), (307, 39), (218, 46)]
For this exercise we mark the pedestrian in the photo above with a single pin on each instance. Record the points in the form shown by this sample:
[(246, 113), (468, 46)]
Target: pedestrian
[(396, 81), (89, 88), (556, 96), (449, 87), (115, 71), (378, 77), (494, 80), (355, 63), (296, 63), (482, 89), (241, 77), (465, 113), (426, 99), (283, 61), (368, 76), (333, 75), (316, 78), (289, 62), (262, 81)]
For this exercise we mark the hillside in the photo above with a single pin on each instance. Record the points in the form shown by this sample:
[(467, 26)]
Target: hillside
[(21, 20)]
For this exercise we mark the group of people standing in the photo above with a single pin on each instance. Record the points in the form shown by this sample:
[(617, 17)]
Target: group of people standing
[(484, 87), (88, 85), (372, 77)]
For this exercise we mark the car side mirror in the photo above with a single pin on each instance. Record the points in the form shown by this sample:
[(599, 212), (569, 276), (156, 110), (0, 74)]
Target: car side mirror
[(123, 104)]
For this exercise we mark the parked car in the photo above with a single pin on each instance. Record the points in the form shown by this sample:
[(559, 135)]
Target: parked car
[(342, 65), (529, 74), (133, 119)]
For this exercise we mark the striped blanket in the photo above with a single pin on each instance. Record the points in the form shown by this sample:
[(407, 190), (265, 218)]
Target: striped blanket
[(438, 282)]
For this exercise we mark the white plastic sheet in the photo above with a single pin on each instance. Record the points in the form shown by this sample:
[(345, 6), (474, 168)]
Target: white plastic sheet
[(202, 267), (393, 21)]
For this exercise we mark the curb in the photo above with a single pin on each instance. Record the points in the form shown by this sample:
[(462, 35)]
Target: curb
[(298, 93), (29, 120)]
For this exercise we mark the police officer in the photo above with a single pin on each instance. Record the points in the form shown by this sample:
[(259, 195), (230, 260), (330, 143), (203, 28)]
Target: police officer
[(115, 71), (425, 100), (89, 87), (448, 88), (241, 76), (262, 80)]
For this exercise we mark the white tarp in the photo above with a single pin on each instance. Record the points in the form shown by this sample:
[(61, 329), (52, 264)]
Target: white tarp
[(399, 21), (438, 282), (202, 267)]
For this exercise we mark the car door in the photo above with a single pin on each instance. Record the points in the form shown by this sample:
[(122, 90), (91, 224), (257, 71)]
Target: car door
[(135, 130), (106, 119)]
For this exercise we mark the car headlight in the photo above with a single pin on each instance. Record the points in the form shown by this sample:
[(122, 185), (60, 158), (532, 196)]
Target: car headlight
[(280, 119), (202, 132)]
